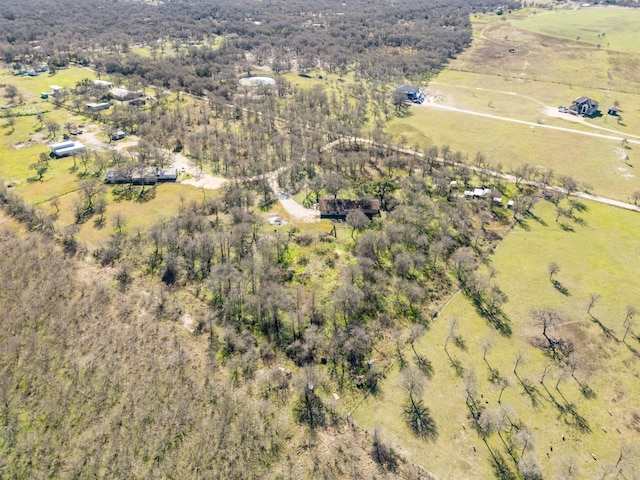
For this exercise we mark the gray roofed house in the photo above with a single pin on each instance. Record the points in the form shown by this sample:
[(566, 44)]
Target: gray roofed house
[(583, 106)]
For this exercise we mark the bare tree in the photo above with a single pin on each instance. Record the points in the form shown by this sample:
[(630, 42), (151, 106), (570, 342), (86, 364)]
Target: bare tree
[(547, 318), (357, 220), (593, 299), (629, 320), (416, 414), (553, 269)]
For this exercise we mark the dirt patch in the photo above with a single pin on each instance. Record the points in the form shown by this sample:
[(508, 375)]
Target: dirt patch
[(632, 420)]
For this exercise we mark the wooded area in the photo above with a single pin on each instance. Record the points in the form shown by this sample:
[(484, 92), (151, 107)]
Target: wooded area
[(216, 343)]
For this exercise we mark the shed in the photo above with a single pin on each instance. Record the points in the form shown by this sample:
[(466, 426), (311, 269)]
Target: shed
[(122, 94), (60, 145), (96, 107), (119, 135), (102, 83)]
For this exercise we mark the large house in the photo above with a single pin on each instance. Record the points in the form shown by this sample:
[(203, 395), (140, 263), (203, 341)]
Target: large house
[(338, 208), (583, 106)]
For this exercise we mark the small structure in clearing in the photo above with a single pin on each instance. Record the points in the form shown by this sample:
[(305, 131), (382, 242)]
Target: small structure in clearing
[(123, 94), (413, 94), (96, 107), (66, 148)]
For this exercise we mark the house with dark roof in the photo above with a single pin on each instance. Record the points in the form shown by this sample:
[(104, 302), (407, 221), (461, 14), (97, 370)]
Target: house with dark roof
[(339, 208), (583, 106), (414, 94)]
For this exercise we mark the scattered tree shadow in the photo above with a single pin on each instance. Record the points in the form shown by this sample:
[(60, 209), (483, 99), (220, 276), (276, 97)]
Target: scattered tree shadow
[(560, 287), (100, 222), (424, 365), (538, 219), (530, 390), (522, 223), (587, 391), (419, 419), (459, 342), (495, 316), (455, 364), (580, 221), (501, 469), (566, 227), (573, 418), (606, 330), (133, 193)]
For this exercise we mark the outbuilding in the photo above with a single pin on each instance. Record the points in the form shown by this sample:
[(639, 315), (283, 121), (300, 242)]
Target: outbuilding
[(96, 107), (66, 148)]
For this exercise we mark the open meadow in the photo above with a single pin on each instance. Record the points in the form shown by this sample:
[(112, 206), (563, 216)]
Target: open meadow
[(573, 414), (528, 84)]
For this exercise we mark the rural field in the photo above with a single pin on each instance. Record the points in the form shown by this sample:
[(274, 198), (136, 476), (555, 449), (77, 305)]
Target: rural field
[(592, 259), (528, 84), (427, 331)]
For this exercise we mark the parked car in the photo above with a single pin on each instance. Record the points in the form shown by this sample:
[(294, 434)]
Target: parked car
[(562, 109)]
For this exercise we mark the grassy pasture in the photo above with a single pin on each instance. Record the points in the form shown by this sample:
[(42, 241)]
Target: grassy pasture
[(163, 205), (591, 259), (66, 78), (611, 28), (543, 71), (597, 162)]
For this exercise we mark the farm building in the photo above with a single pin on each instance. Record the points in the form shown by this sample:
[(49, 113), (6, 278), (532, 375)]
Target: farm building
[(583, 106), (122, 94), (142, 175), (66, 148), (414, 94), (119, 135), (96, 107), (102, 83), (338, 208)]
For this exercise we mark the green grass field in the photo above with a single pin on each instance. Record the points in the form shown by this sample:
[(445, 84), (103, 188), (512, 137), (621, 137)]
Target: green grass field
[(542, 71), (611, 28), (591, 259), (598, 163)]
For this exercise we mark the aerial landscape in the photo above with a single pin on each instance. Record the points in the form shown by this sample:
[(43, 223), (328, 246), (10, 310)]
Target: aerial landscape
[(314, 239)]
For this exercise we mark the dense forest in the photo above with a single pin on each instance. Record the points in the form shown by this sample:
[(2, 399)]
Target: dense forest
[(376, 41)]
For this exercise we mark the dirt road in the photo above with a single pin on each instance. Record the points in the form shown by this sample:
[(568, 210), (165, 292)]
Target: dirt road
[(617, 137)]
